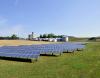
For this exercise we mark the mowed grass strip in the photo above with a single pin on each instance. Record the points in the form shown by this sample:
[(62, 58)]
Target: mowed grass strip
[(21, 42), (81, 64)]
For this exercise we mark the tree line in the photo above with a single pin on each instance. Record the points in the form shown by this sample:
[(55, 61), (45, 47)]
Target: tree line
[(51, 35), (12, 37)]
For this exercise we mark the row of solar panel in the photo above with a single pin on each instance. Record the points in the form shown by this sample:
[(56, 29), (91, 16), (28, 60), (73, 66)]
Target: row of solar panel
[(34, 51), (46, 49)]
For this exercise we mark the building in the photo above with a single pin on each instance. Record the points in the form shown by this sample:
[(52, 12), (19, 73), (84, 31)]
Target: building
[(31, 36), (52, 39), (65, 38)]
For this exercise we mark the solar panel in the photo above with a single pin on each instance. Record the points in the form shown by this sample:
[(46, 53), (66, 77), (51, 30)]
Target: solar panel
[(16, 52), (33, 51)]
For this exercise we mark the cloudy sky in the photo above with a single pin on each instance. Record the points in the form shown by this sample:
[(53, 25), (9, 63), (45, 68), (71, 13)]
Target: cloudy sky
[(70, 17)]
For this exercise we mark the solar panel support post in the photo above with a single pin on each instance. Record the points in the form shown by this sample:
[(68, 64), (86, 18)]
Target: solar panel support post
[(52, 54), (60, 53), (33, 60), (78, 49), (36, 59)]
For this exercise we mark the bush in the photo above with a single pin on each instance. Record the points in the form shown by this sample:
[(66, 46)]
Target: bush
[(92, 39)]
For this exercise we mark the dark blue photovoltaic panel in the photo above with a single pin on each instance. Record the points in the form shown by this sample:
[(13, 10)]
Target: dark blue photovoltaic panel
[(33, 51), (12, 51)]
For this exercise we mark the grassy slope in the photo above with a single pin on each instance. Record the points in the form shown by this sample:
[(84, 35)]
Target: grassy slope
[(78, 39), (83, 64)]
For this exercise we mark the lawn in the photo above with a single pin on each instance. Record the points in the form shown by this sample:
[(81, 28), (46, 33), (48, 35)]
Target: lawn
[(20, 42), (81, 64)]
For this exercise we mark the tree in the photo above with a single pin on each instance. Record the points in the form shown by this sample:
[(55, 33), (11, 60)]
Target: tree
[(41, 36), (44, 35), (92, 38), (51, 35), (59, 36), (14, 36)]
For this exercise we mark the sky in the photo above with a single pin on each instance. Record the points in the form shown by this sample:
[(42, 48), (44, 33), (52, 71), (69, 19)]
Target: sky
[(80, 18)]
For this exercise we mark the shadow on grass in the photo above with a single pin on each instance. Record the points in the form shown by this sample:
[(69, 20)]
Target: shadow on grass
[(16, 59), (79, 49), (69, 52), (49, 55)]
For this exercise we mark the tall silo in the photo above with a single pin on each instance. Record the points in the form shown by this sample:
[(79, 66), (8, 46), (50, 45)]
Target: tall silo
[(65, 38)]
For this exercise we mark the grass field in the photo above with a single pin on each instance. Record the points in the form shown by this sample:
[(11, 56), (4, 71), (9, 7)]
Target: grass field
[(20, 42), (82, 64)]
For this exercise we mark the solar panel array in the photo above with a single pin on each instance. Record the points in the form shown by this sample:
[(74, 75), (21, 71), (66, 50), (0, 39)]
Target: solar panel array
[(34, 51)]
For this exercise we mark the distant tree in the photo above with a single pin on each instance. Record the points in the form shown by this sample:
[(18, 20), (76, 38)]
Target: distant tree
[(59, 36), (92, 38), (7, 38), (14, 36), (51, 35), (41, 36), (1, 38), (44, 36)]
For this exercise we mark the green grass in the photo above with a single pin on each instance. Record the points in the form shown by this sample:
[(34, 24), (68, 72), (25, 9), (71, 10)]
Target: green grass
[(82, 64), (75, 39)]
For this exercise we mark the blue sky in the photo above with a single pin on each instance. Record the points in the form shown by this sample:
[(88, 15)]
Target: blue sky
[(79, 18)]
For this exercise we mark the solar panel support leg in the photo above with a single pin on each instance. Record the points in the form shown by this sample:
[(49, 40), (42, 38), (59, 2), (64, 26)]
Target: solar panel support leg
[(36, 59), (60, 54), (33, 60)]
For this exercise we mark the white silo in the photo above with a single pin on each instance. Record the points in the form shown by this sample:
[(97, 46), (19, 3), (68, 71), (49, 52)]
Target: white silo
[(65, 38)]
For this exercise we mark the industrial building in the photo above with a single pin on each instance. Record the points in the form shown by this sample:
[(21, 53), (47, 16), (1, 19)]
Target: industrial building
[(32, 36)]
